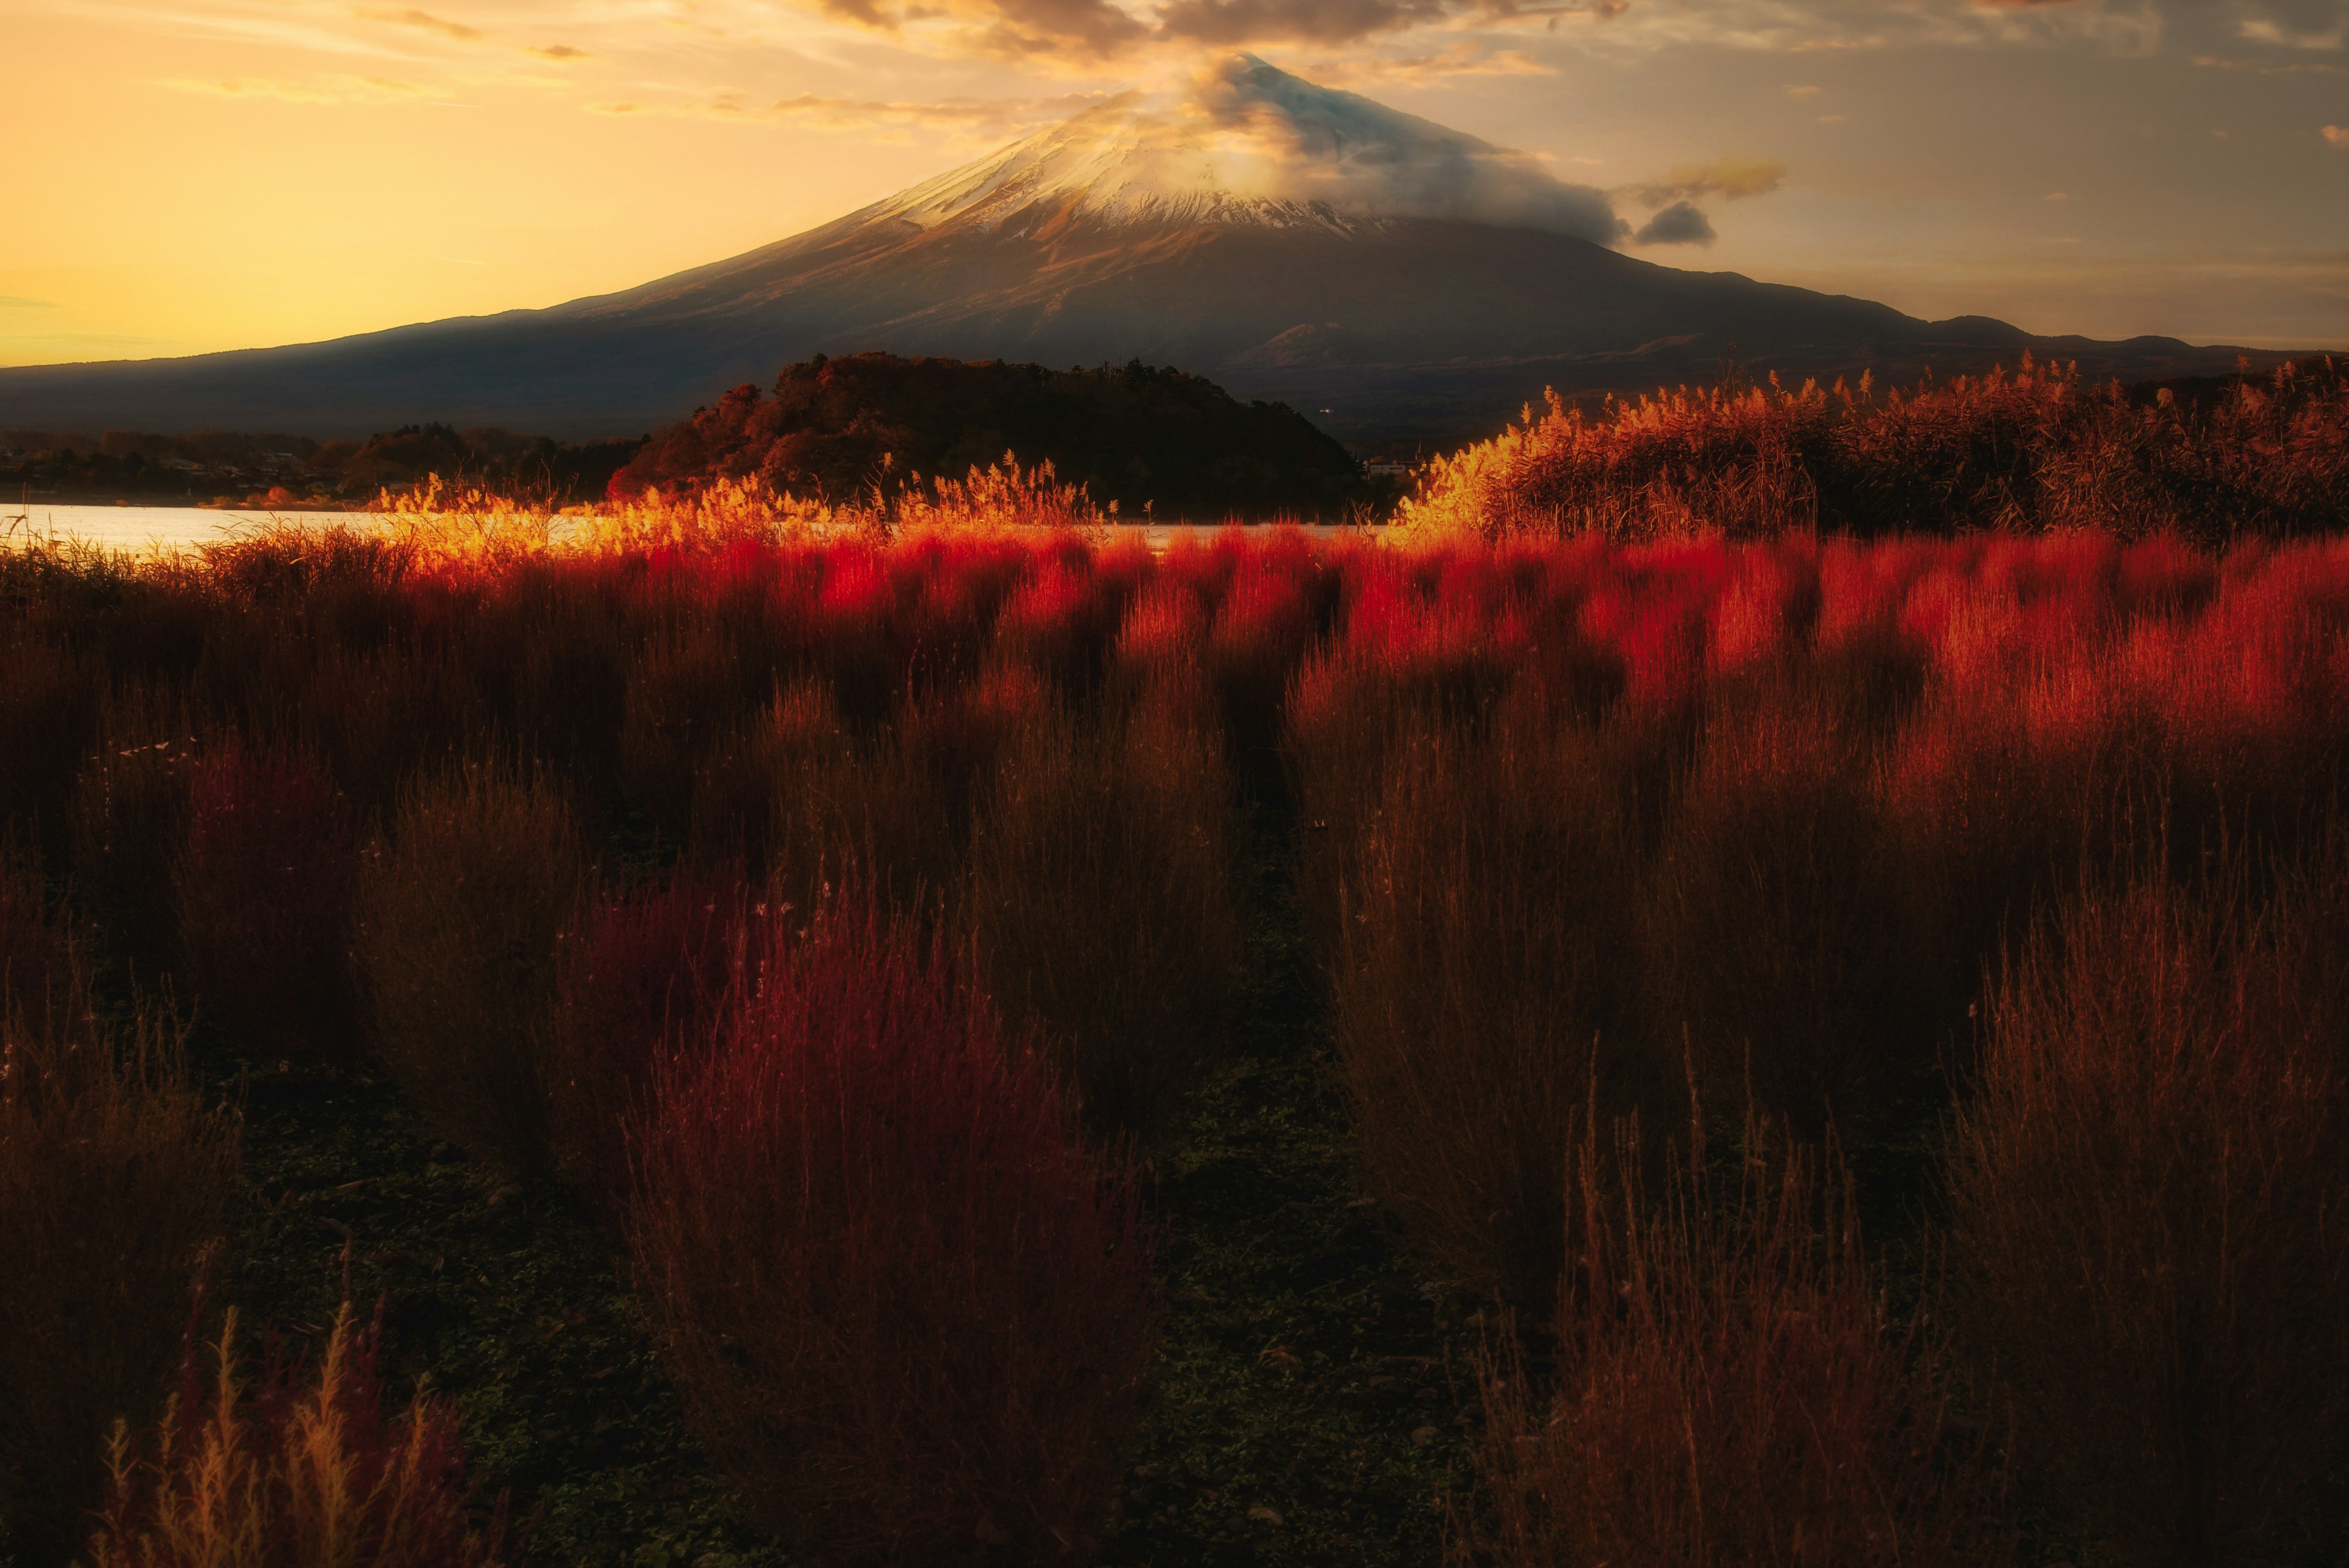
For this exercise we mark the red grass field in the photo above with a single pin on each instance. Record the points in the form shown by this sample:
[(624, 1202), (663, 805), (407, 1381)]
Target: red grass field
[(843, 918)]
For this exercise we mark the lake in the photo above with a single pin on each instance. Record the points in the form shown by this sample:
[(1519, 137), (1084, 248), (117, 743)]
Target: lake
[(138, 530), (141, 530)]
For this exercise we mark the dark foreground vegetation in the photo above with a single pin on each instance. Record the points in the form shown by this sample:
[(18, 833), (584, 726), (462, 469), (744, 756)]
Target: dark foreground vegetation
[(1140, 439), (995, 1048), (290, 471), (2208, 459)]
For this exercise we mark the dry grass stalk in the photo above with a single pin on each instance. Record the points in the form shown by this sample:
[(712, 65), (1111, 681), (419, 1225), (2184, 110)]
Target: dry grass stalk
[(278, 1475)]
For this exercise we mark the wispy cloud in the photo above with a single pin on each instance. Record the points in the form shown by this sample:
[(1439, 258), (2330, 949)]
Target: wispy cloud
[(1464, 59), (2271, 68), (1732, 177), (2336, 134), (327, 33), (1394, 41), (13, 302), (969, 116), (317, 89), (950, 114), (423, 21)]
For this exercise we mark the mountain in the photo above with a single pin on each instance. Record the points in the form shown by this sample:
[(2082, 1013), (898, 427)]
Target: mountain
[(1386, 275)]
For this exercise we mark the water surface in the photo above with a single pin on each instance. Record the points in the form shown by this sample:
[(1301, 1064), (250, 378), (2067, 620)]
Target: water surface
[(146, 530)]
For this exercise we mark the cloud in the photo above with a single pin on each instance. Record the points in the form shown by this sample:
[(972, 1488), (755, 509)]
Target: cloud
[(1232, 22), (1245, 132), (990, 117), (1732, 177), (1035, 31), (317, 89), (424, 21), (1681, 224), (2296, 24), (2290, 68), (1068, 36), (1273, 134), (999, 116), (1676, 219), (1452, 61), (2336, 134)]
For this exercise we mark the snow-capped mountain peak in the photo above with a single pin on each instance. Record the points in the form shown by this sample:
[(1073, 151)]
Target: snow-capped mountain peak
[(1245, 142)]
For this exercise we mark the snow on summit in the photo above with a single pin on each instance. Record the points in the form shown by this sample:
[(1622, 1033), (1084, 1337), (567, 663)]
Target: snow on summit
[(1246, 142)]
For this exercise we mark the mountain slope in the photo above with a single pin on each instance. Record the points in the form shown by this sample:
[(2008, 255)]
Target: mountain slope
[(1384, 273)]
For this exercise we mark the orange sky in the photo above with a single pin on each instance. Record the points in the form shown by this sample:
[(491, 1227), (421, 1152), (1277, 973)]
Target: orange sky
[(187, 175)]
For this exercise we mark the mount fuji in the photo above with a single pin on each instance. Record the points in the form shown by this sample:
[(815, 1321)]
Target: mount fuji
[(1386, 275)]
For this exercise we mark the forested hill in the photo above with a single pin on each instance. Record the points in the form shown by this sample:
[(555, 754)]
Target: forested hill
[(1155, 440)]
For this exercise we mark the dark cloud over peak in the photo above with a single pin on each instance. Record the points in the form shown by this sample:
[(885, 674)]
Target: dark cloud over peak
[(1292, 21), (1681, 224)]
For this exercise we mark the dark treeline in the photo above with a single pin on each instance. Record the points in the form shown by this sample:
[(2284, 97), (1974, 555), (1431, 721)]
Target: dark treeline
[(1142, 436), (295, 471)]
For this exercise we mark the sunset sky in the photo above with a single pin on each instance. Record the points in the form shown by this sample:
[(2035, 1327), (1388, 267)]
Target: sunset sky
[(186, 175)]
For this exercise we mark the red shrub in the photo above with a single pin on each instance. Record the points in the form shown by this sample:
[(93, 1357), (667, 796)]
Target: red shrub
[(48, 712), (129, 829), (1397, 664), (283, 1476), (1267, 622), (114, 1177), (906, 1314), (1730, 1390), (690, 690), (1484, 986), (1776, 931), (777, 785), (1101, 896), (378, 720), (647, 980), (2147, 1196), (38, 968), (462, 923), (264, 891), (1060, 619)]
